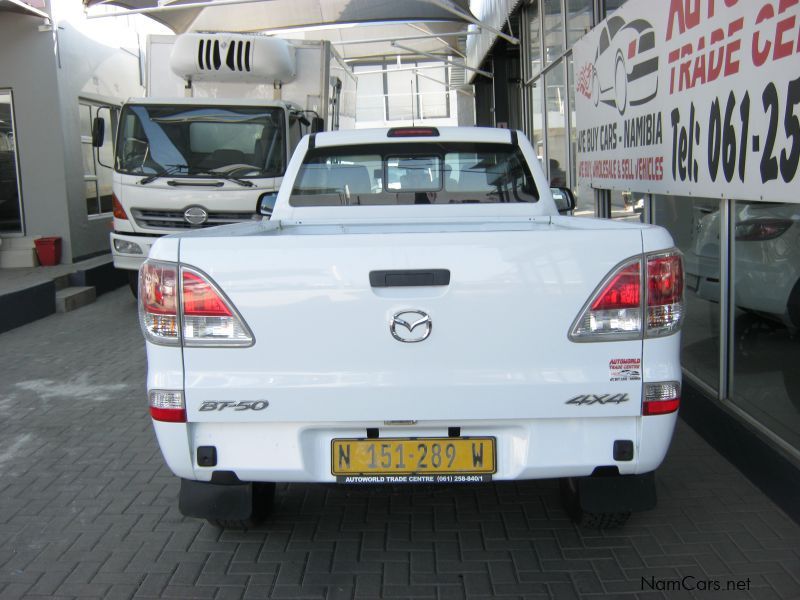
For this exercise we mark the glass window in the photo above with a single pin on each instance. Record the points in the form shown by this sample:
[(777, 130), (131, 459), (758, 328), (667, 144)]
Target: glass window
[(10, 205), (246, 142), (609, 6), (766, 305), (628, 206), (414, 173), (579, 20), (370, 99), (694, 225), (556, 103), (97, 173), (402, 90), (537, 118), (553, 30), (433, 97), (535, 38)]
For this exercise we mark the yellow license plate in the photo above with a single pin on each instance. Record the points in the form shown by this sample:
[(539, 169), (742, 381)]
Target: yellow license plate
[(434, 460)]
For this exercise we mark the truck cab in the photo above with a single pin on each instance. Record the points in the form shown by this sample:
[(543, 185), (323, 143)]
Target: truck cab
[(211, 142)]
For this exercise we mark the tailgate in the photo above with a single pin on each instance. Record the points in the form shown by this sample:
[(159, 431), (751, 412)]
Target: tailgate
[(497, 349)]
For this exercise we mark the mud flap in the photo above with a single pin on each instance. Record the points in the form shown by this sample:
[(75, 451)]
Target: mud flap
[(206, 500), (617, 493)]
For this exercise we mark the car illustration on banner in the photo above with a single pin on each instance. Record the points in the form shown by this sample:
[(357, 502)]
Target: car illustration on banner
[(625, 65)]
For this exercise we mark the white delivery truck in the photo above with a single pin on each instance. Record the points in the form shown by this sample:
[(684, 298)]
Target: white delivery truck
[(416, 311), (213, 137)]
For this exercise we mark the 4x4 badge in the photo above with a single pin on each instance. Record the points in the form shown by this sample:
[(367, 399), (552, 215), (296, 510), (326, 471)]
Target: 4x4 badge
[(598, 399)]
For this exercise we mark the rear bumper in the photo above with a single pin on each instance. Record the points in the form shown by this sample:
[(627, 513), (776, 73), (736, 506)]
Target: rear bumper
[(525, 449)]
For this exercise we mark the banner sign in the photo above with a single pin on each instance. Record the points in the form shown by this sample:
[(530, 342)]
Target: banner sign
[(692, 97)]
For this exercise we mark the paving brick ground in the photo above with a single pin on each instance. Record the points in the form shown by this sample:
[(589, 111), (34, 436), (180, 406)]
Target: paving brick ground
[(88, 510)]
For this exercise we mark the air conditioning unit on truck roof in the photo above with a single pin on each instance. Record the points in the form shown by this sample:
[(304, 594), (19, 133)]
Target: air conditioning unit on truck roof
[(230, 57)]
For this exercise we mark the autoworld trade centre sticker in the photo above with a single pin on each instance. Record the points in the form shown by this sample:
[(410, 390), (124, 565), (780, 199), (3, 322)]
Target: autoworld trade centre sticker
[(625, 369)]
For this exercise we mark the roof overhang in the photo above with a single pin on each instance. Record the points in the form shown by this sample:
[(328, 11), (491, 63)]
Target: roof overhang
[(32, 9)]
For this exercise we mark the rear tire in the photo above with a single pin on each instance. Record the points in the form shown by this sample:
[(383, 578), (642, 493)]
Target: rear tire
[(133, 283), (263, 501), (570, 498)]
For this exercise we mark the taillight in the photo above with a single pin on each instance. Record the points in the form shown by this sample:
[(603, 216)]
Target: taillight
[(615, 311), (167, 406), (208, 318), (158, 302), (761, 230), (116, 207), (664, 293), (661, 398)]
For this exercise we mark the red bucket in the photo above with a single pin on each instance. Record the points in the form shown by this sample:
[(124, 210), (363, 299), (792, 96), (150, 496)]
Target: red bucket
[(48, 249)]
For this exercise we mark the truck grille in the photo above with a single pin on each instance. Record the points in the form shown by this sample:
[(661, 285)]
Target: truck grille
[(173, 219)]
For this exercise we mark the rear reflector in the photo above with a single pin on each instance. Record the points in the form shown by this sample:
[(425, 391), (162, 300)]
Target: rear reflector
[(167, 406), (413, 132), (661, 398)]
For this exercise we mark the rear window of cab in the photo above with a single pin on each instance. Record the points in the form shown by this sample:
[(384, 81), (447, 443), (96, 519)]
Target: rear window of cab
[(413, 173)]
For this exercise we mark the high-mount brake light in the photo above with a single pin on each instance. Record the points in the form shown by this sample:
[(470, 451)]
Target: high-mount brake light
[(190, 310), (158, 302), (413, 132), (661, 398), (623, 309), (116, 207), (209, 318)]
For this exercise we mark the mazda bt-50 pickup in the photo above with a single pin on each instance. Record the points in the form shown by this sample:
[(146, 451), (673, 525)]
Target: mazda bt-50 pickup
[(416, 311)]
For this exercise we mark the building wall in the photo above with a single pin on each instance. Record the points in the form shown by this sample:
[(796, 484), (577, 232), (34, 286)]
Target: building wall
[(97, 72), (28, 69)]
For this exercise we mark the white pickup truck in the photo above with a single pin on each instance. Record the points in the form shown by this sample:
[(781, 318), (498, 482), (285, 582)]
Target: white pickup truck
[(416, 311)]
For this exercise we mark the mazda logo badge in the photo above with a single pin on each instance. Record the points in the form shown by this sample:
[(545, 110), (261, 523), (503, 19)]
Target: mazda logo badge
[(411, 326), (195, 215)]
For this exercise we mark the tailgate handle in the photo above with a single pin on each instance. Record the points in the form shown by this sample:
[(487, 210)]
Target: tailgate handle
[(409, 277)]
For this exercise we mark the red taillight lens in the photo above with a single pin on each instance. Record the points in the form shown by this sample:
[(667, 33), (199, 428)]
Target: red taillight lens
[(661, 398), (158, 302), (116, 207), (200, 299), (209, 318), (664, 293), (622, 291), (615, 309), (761, 230)]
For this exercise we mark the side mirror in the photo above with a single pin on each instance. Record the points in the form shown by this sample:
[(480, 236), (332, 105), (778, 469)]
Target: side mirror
[(98, 132), (317, 124), (564, 199), (266, 204)]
